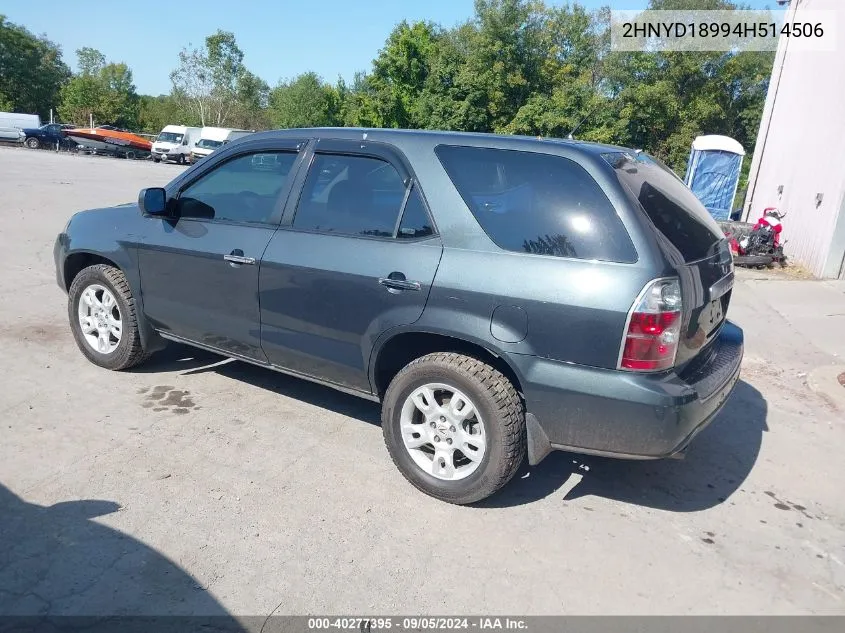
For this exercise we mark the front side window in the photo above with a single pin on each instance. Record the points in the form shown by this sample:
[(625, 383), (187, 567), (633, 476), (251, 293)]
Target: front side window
[(350, 195), (537, 203), (244, 189)]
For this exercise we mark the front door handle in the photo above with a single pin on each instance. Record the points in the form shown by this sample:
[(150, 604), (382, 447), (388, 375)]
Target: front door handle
[(237, 257), (397, 281)]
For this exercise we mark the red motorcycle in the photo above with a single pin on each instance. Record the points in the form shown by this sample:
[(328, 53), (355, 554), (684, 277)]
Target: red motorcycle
[(762, 245)]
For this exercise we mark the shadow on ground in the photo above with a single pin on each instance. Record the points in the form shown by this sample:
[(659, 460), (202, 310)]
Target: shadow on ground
[(716, 464), (57, 561), (189, 361)]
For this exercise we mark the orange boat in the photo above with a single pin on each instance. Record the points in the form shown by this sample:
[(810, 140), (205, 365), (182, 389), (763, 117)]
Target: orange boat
[(108, 138)]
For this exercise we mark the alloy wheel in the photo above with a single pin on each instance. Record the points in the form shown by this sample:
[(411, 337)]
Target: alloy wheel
[(99, 319), (442, 431)]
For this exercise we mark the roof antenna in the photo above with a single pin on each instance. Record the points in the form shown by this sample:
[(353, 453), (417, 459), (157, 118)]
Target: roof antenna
[(581, 122)]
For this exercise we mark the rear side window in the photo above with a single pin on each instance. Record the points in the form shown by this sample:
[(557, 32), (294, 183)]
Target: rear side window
[(537, 203), (350, 195), (415, 221), (670, 205)]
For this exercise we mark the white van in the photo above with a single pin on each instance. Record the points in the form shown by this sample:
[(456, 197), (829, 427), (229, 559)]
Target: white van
[(213, 137), (16, 119), (175, 142)]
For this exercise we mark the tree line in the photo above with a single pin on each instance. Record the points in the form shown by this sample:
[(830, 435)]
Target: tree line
[(515, 67)]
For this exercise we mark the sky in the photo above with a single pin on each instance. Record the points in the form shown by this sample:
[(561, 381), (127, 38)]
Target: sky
[(279, 38)]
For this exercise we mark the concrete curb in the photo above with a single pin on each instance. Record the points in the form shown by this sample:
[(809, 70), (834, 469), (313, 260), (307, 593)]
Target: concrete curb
[(825, 380)]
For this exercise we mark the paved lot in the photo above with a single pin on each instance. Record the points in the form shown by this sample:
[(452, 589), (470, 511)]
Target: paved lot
[(200, 485)]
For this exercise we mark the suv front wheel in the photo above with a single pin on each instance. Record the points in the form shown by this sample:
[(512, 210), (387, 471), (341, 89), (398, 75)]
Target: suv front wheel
[(454, 427), (103, 318)]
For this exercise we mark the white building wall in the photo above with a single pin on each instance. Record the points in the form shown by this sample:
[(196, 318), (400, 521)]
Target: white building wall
[(801, 146)]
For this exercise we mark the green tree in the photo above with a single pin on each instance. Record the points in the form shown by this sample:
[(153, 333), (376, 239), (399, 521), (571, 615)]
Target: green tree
[(399, 75), (451, 98), (120, 100), (207, 79), (90, 61), (253, 99), (156, 112), (568, 93), (664, 100), (80, 100), (31, 70), (102, 91), (304, 101), (503, 62), (357, 103)]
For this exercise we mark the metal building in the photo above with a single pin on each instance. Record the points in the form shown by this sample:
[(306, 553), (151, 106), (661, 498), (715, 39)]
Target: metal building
[(799, 160)]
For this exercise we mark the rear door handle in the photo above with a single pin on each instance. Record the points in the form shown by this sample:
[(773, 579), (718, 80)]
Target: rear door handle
[(237, 257), (397, 281)]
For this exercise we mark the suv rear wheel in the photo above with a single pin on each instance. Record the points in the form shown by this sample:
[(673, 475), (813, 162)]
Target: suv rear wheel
[(454, 427), (103, 319)]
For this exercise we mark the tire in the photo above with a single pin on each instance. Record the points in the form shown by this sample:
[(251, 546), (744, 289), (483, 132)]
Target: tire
[(128, 351), (156, 160), (493, 398), (181, 159), (32, 143)]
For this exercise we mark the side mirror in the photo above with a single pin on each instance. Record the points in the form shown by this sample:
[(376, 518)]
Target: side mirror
[(152, 201)]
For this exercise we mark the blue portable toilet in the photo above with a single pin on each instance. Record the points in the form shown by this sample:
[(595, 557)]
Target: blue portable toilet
[(713, 173)]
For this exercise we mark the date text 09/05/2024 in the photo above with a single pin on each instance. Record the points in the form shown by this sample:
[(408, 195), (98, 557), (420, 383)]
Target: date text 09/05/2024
[(721, 29), (366, 625)]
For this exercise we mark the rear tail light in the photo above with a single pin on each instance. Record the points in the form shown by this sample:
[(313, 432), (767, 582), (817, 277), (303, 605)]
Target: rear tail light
[(654, 328)]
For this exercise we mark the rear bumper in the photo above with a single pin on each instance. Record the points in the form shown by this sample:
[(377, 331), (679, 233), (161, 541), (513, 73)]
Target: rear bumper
[(624, 414)]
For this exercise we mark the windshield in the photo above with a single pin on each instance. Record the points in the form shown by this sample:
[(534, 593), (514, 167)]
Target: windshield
[(170, 137), (670, 205), (207, 143)]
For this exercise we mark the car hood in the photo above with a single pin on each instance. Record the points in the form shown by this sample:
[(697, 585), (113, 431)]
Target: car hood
[(106, 218), (30, 130)]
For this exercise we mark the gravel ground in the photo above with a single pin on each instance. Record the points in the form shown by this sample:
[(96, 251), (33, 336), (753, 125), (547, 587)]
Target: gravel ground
[(195, 484)]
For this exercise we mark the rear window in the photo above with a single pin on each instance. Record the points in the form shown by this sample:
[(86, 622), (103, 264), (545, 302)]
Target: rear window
[(670, 205), (537, 203)]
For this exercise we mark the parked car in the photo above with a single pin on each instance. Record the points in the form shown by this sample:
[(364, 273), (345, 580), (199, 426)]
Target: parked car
[(47, 136), (499, 296), (11, 135)]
